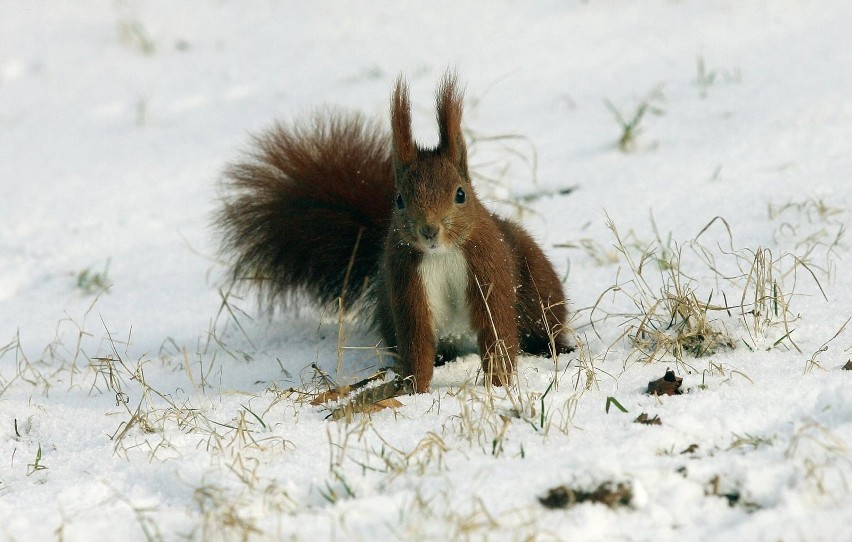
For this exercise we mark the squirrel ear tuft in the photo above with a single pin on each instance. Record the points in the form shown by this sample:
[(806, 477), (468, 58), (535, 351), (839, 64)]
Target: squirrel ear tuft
[(451, 142), (404, 149)]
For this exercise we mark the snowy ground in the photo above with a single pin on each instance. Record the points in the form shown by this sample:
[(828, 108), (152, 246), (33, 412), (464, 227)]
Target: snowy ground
[(146, 413)]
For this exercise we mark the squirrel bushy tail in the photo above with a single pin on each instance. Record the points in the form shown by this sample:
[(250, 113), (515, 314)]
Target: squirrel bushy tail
[(309, 209)]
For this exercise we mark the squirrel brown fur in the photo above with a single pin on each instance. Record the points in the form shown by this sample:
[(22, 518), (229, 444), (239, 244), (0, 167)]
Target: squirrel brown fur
[(336, 209)]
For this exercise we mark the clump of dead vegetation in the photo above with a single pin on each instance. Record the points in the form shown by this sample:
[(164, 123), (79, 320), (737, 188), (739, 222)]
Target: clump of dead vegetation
[(611, 494), (693, 299)]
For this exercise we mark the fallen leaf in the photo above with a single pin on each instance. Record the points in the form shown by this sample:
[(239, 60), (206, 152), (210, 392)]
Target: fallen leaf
[(373, 399), (379, 405), (645, 420), (690, 449), (331, 395), (564, 497), (668, 385), (336, 394)]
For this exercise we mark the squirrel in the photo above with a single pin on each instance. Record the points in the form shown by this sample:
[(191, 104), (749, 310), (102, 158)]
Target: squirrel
[(336, 209)]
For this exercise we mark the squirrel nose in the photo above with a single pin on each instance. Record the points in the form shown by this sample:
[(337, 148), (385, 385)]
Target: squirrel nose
[(428, 231)]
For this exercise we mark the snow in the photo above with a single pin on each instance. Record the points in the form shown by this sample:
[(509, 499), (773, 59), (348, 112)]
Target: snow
[(146, 413)]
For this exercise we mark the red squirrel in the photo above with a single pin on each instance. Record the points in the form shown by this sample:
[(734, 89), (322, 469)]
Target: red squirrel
[(336, 210)]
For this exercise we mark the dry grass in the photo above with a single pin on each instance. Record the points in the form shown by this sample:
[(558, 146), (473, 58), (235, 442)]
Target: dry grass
[(676, 318), (670, 319)]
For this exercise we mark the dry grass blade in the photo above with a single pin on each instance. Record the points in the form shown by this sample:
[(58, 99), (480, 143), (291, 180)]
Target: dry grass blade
[(812, 363)]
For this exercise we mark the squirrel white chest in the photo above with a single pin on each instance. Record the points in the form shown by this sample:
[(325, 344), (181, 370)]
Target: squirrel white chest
[(444, 275)]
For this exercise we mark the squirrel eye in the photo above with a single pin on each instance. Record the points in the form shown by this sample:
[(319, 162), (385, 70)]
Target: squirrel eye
[(460, 196), (399, 203)]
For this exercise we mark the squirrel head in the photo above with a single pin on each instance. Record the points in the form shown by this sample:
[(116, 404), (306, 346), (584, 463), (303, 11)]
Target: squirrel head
[(435, 206)]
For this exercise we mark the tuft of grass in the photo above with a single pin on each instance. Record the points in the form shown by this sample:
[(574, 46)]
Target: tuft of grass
[(132, 33), (747, 439), (815, 209), (671, 318), (586, 376), (706, 78), (630, 124), (36, 465), (94, 282), (337, 489)]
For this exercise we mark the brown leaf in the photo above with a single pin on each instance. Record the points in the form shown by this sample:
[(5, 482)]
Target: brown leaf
[(668, 385), (355, 407), (336, 394), (848, 366), (373, 399), (558, 497), (378, 405), (331, 395), (564, 496), (690, 449), (645, 420)]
